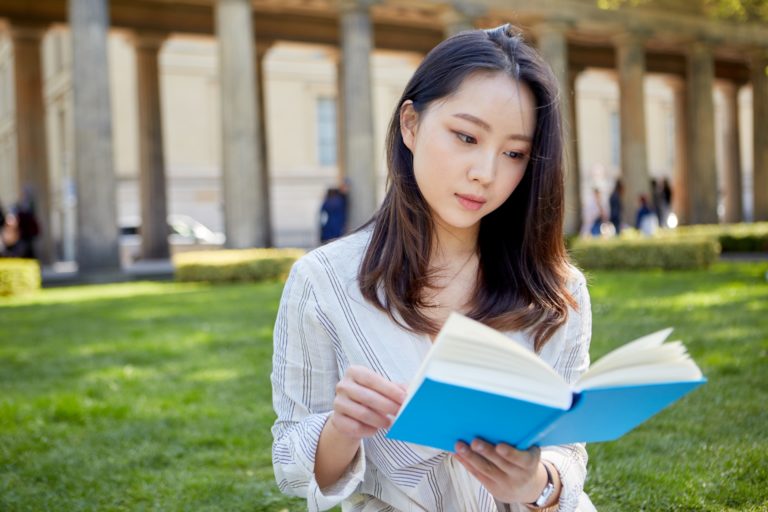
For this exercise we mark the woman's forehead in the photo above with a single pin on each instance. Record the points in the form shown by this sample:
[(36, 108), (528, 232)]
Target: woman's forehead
[(496, 98)]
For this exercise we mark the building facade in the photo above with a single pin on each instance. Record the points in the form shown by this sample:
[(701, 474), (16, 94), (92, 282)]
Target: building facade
[(241, 113)]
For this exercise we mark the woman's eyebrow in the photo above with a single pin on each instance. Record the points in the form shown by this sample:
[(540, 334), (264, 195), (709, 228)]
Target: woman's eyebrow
[(475, 120), (485, 126)]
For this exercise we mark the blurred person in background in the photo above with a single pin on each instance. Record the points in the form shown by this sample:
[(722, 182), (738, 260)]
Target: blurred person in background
[(666, 202), (656, 200), (595, 215), (29, 227), (10, 246), (615, 205), (646, 220), (333, 214)]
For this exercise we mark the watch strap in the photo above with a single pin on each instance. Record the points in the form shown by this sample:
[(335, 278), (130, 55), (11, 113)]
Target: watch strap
[(549, 488)]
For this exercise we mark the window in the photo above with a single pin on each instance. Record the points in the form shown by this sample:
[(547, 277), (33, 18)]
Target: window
[(326, 131)]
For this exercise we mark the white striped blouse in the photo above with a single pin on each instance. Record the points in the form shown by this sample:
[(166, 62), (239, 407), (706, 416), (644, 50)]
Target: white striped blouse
[(324, 325)]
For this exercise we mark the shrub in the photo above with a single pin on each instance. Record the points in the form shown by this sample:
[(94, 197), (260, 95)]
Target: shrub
[(235, 264), (645, 253), (19, 276), (744, 237)]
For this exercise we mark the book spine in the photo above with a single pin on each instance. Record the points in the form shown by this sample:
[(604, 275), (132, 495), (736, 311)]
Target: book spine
[(552, 425), (539, 431)]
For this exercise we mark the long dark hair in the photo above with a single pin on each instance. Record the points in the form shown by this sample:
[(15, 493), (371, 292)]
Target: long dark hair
[(523, 261)]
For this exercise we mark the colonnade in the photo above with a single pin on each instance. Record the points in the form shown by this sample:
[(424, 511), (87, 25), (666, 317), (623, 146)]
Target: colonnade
[(245, 178)]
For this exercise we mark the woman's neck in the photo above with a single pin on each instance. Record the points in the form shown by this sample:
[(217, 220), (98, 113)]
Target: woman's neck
[(451, 245), (453, 265)]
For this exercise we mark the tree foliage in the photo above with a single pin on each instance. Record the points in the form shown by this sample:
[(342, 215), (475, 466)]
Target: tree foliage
[(729, 10)]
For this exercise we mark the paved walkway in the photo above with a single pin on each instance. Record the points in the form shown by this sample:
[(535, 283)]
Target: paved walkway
[(66, 274), (744, 256)]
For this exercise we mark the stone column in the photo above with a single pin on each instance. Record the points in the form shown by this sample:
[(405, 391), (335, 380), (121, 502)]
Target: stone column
[(680, 198), (553, 47), (31, 138), (356, 49), (573, 140), (459, 17), (760, 134), (732, 157), (630, 60), (260, 50), (97, 236), (701, 135), (340, 127), (244, 195), (152, 182)]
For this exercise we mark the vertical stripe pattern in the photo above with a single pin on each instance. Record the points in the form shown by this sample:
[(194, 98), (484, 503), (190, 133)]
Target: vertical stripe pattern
[(323, 326)]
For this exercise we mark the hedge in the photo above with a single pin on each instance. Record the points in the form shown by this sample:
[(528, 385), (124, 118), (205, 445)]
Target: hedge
[(235, 265), (743, 237), (18, 276), (646, 253)]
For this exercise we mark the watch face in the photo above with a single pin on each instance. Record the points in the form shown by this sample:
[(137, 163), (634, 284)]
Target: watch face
[(547, 491), (545, 494)]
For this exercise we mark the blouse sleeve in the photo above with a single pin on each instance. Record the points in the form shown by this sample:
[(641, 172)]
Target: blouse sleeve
[(571, 460), (304, 377)]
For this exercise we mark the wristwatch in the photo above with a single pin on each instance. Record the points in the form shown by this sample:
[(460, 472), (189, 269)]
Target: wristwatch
[(546, 492)]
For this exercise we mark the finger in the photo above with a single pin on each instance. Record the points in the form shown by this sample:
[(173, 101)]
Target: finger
[(351, 427), (370, 398), (361, 413), (482, 478), (373, 380), (489, 452), (476, 461), (376, 382), (525, 459)]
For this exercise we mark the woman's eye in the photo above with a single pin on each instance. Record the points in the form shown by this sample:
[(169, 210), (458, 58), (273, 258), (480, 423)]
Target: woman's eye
[(515, 154), (467, 139)]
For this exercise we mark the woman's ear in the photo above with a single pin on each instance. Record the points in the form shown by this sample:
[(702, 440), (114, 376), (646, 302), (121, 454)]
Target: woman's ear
[(409, 120)]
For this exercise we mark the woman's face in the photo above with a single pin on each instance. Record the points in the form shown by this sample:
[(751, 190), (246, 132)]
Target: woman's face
[(470, 150)]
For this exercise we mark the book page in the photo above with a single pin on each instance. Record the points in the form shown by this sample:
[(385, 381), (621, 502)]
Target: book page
[(470, 354), (500, 382), (643, 361), (672, 351), (679, 371), (649, 341)]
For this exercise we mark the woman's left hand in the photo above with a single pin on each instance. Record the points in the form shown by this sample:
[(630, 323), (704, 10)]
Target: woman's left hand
[(510, 475)]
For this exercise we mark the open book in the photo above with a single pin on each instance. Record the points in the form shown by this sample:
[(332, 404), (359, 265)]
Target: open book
[(478, 382)]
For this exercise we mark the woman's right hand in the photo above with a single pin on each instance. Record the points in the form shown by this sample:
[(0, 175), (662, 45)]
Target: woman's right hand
[(364, 403)]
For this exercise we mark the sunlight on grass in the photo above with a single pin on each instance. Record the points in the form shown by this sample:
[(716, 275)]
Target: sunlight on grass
[(722, 317), (214, 375), (122, 373), (98, 292)]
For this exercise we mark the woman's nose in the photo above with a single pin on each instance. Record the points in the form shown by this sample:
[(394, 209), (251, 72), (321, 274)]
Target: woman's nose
[(483, 169)]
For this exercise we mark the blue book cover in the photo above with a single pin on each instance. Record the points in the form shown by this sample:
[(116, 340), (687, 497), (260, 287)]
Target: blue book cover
[(440, 414), (477, 382), (605, 414)]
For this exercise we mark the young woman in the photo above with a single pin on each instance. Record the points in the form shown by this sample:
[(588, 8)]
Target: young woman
[(471, 222)]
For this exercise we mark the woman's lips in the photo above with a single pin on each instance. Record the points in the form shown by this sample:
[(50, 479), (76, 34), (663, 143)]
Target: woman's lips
[(470, 202)]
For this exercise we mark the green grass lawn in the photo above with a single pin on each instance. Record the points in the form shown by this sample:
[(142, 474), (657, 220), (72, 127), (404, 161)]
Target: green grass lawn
[(156, 396)]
